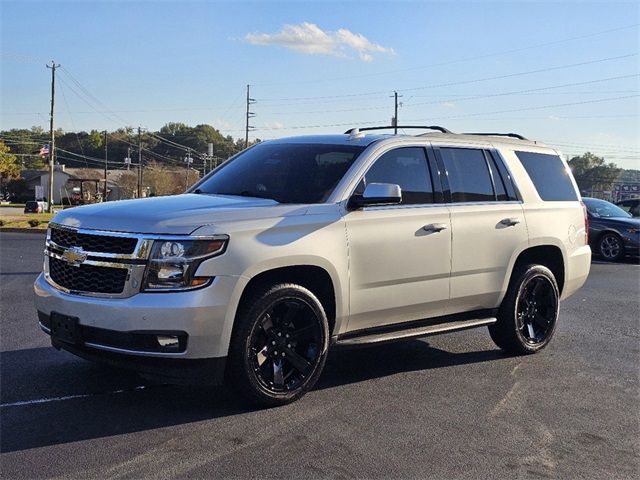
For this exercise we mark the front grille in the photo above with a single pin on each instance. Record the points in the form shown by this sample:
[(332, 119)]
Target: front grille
[(87, 278), (93, 243)]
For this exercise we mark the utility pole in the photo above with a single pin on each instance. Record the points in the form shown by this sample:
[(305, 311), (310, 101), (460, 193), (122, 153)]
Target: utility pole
[(139, 163), (395, 112), (52, 142), (106, 155), (188, 160), (250, 101), (127, 160)]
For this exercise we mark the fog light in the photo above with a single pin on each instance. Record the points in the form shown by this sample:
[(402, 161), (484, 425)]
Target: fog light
[(170, 342)]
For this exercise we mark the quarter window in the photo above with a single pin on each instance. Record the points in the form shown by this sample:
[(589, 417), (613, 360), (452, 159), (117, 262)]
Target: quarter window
[(408, 168), (468, 175), (549, 175)]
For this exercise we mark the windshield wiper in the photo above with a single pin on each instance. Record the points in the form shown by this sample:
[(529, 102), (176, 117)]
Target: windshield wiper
[(248, 193)]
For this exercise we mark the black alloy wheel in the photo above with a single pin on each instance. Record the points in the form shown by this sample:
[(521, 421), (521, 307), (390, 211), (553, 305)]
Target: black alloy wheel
[(537, 308), (610, 247), (279, 345), (528, 315), (285, 345)]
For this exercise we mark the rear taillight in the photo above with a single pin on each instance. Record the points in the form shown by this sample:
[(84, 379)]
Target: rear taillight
[(586, 223)]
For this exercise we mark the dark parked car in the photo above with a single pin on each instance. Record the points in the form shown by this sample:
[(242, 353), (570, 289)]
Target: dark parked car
[(35, 207), (631, 205), (613, 233)]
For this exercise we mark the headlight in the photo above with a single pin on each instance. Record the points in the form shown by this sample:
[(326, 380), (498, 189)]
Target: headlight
[(173, 263)]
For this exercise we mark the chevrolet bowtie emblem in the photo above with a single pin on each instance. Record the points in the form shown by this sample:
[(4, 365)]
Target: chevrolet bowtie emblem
[(74, 255)]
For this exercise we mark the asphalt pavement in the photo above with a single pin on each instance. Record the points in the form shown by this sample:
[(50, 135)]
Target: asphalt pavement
[(449, 406)]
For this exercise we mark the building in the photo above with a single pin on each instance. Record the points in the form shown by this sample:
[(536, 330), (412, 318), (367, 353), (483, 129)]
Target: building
[(79, 183)]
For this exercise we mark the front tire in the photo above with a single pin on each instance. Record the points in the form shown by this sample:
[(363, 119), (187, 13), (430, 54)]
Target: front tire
[(610, 247), (279, 345), (529, 312)]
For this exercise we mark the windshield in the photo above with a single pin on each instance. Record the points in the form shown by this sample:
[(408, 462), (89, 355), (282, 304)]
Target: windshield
[(286, 173), (604, 209)]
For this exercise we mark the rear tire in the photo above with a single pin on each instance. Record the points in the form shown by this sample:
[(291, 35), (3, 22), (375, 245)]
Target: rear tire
[(529, 312), (279, 345), (611, 247)]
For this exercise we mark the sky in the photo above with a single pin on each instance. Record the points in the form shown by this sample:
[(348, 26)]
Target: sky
[(566, 73)]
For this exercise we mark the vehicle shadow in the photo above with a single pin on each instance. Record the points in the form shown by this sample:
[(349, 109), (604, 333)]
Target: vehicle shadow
[(51, 398)]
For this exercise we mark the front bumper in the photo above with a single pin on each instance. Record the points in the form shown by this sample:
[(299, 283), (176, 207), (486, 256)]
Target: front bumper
[(631, 244), (201, 315)]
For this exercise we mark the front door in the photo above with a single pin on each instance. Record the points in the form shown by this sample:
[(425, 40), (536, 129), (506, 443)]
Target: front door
[(399, 255)]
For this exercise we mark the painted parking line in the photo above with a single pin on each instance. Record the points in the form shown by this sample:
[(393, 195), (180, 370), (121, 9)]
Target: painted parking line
[(67, 397)]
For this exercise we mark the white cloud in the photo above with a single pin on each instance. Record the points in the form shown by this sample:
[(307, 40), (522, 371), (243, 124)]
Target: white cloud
[(448, 104), (310, 39)]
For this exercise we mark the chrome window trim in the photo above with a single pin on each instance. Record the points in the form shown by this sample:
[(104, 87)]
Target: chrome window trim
[(502, 202)]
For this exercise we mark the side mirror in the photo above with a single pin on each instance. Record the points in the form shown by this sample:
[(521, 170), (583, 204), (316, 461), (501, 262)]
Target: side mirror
[(377, 194)]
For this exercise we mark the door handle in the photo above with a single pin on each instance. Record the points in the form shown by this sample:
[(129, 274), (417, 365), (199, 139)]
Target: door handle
[(435, 227), (510, 222)]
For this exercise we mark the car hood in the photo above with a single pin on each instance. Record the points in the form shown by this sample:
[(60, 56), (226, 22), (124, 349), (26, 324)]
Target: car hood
[(620, 222), (175, 215)]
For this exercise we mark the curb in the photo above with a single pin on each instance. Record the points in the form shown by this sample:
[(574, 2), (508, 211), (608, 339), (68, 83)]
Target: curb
[(23, 230)]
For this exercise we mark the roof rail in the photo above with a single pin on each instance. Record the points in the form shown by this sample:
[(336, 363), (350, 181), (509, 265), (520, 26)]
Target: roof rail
[(513, 135), (355, 131)]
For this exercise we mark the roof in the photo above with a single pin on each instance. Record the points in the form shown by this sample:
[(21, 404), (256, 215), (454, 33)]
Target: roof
[(31, 174), (365, 139)]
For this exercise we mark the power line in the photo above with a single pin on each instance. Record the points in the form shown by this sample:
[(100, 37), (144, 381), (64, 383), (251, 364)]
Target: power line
[(461, 60), (475, 97), (461, 82)]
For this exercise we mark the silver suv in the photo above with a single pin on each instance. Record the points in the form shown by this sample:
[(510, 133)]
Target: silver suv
[(299, 244)]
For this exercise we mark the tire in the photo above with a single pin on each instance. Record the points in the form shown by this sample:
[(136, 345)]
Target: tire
[(528, 315), (611, 247), (279, 345)]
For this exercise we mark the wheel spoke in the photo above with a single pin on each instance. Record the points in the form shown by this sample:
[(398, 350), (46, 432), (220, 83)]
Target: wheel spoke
[(267, 323), (297, 361), (542, 322), (302, 332), (532, 334), (537, 283), (291, 311), (277, 373), (261, 356)]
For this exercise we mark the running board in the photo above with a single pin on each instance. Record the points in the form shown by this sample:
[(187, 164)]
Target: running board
[(416, 332)]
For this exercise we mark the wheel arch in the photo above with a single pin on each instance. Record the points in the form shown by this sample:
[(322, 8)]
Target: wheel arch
[(548, 255)]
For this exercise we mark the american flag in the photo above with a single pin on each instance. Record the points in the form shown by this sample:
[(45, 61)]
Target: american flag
[(44, 150)]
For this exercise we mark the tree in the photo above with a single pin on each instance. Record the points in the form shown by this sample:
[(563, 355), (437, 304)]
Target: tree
[(9, 167), (592, 173)]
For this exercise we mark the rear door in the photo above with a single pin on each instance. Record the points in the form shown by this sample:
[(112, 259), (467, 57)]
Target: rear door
[(487, 225)]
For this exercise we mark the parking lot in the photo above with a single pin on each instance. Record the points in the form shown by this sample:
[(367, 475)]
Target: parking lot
[(449, 406)]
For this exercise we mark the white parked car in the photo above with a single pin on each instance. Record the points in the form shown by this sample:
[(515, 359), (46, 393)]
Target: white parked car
[(299, 244)]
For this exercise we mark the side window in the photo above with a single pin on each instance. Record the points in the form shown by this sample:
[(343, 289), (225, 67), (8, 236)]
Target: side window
[(549, 175), (468, 174), (502, 179), (408, 168)]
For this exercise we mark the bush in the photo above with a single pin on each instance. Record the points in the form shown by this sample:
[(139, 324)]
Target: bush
[(2, 223), (34, 223)]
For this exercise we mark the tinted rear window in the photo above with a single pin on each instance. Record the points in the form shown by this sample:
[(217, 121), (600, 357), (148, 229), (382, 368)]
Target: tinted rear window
[(468, 174), (549, 175)]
